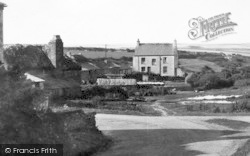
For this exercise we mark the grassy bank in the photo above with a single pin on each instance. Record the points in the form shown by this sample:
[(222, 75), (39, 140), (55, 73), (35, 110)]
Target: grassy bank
[(112, 107), (236, 125), (85, 138), (244, 150), (22, 122)]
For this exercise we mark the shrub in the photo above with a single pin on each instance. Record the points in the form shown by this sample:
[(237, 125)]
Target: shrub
[(97, 100), (20, 122), (118, 92), (242, 83), (217, 110), (208, 79), (240, 106), (190, 108), (95, 91), (114, 92)]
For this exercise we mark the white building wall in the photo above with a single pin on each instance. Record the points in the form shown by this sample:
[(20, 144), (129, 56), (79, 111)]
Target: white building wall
[(157, 68), (148, 63), (170, 64), (135, 64)]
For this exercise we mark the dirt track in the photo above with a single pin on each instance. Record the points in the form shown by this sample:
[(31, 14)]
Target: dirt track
[(170, 135)]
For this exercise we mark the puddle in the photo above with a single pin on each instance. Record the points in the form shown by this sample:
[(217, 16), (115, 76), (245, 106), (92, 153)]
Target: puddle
[(206, 102), (210, 99), (213, 97)]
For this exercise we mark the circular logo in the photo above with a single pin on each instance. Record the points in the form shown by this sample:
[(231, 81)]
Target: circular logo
[(7, 150)]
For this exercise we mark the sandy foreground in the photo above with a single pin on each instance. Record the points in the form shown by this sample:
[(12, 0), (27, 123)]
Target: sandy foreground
[(171, 135)]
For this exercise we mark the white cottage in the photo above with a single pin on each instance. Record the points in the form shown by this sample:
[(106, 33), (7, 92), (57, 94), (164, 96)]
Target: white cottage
[(158, 58)]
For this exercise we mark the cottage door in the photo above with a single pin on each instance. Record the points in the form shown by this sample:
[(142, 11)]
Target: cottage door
[(149, 69)]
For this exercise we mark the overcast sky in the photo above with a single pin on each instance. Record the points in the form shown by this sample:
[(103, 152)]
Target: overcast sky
[(84, 22)]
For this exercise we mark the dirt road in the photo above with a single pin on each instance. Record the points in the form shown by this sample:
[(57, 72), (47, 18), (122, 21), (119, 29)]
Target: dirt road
[(170, 135)]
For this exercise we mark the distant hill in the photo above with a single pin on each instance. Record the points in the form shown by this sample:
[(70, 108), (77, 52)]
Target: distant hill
[(242, 49), (195, 61)]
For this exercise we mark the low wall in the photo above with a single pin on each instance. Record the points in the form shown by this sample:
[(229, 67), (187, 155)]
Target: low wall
[(116, 82)]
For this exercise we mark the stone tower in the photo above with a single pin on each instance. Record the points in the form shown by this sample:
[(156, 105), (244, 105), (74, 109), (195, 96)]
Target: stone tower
[(2, 5), (55, 52)]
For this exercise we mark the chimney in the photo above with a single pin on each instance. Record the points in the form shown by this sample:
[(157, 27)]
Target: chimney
[(55, 53), (175, 44), (138, 42)]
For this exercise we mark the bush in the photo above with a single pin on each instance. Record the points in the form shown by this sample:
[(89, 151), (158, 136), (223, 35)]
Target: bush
[(118, 92), (190, 108), (22, 124), (97, 100), (208, 79), (217, 110), (114, 92), (92, 92), (241, 105), (242, 83)]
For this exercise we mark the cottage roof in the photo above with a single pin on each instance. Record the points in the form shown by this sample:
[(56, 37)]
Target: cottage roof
[(50, 81), (33, 78), (53, 83), (88, 66), (69, 64), (154, 49)]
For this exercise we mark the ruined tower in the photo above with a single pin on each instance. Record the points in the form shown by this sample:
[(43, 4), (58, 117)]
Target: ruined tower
[(2, 5), (55, 52)]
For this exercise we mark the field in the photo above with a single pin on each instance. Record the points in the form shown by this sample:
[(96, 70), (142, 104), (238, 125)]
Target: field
[(242, 49), (196, 65), (217, 102), (100, 54)]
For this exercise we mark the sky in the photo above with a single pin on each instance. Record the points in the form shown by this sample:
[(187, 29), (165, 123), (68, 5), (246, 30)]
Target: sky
[(118, 22)]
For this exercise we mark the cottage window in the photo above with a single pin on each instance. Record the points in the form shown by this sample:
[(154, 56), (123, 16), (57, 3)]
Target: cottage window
[(165, 69), (153, 62), (143, 60), (143, 69), (164, 60)]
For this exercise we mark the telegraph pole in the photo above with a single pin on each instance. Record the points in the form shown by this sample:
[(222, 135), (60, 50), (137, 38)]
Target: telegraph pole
[(105, 51)]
